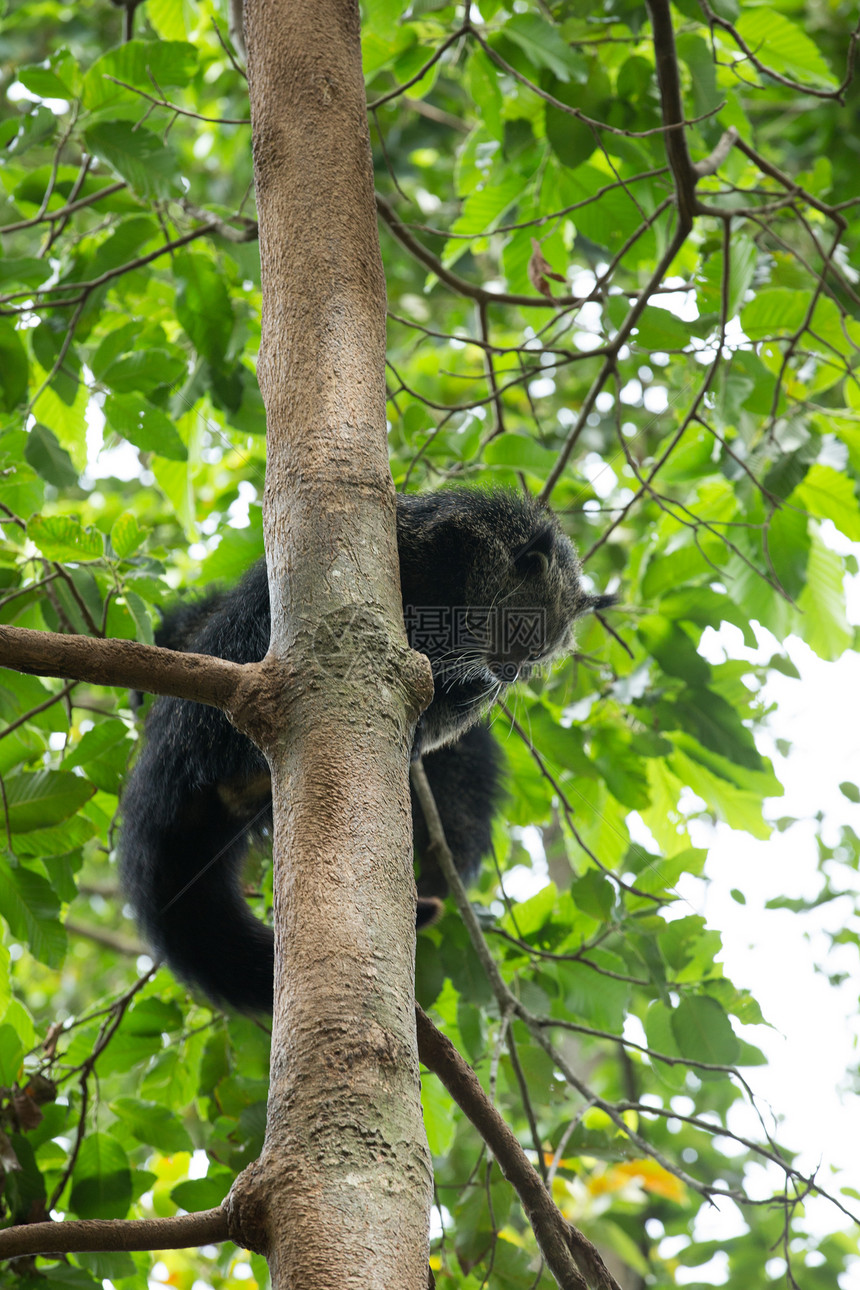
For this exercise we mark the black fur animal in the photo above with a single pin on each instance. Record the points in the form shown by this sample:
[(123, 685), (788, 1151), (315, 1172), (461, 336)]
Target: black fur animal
[(491, 587)]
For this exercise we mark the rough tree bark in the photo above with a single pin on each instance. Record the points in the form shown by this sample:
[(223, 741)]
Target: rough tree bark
[(341, 1194)]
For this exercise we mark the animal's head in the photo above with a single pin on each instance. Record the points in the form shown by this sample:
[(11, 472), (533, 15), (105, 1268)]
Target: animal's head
[(523, 590)]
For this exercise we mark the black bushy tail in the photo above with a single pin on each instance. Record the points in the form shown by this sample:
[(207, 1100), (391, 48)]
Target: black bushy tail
[(181, 859), (198, 791)]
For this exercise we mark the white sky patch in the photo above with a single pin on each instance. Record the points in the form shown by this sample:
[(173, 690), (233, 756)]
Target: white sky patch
[(583, 283), (198, 1166), (599, 474), (656, 398), (680, 303), (122, 461), (239, 508)]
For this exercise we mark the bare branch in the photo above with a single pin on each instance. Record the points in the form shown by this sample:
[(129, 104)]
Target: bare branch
[(673, 111), (65, 211), (453, 280), (422, 71), (174, 1233), (127, 663), (174, 107), (104, 936)]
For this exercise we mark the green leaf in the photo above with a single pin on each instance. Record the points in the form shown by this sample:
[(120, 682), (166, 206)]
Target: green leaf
[(485, 92), (138, 156), (18, 1017), (138, 62), (145, 370), (175, 480), (66, 420), (620, 766), (659, 329), (14, 367), (594, 997), (777, 312), (703, 1031), (236, 551), (20, 692), (102, 753), (127, 240), (126, 534), (662, 874), (141, 615), (783, 46), (57, 840), (482, 211), (5, 985), (203, 1193), (520, 451), (667, 572), (714, 722), (58, 77), (544, 46), (101, 1182), (595, 894), (203, 306), (823, 624), (27, 271), (696, 52), (153, 1017), (153, 1124), (673, 649), (30, 907), (742, 267), (661, 1038), (440, 1115), (830, 495), (571, 140), (63, 537), (140, 421), (48, 458), (739, 808), (789, 545), (11, 1055), (532, 914), (118, 341), (170, 19), (44, 798), (106, 1265)]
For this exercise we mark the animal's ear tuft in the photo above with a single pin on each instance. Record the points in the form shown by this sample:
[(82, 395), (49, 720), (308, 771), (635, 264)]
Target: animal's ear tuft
[(535, 558), (595, 603)]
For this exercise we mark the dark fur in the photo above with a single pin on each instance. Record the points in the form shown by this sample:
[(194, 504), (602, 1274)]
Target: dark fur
[(200, 790)]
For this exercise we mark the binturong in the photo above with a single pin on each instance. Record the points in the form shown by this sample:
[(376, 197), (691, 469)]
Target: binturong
[(491, 588)]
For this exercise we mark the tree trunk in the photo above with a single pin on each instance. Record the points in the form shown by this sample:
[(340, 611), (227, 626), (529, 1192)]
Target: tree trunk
[(341, 1194)]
